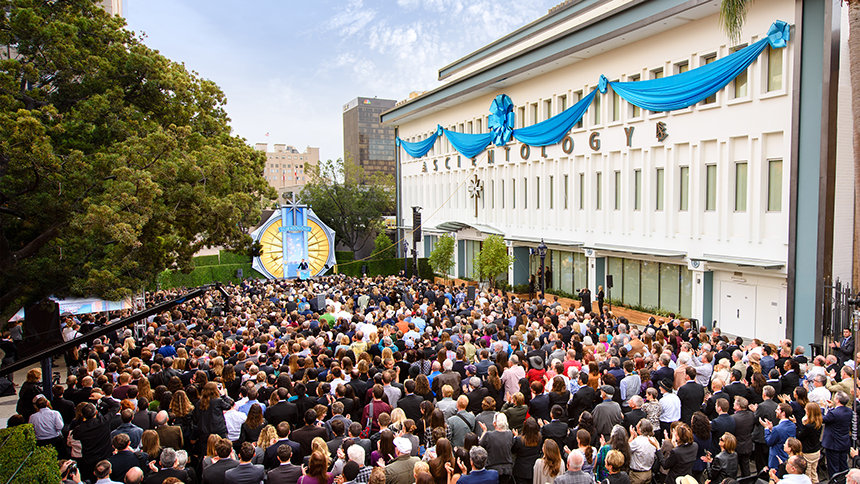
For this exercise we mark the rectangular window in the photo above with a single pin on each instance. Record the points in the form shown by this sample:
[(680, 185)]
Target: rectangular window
[(657, 73), (534, 113), (547, 109), (741, 187), (513, 193), (741, 82), (710, 188), (521, 116), (551, 192), (598, 190), (774, 69), (707, 59), (562, 102), (469, 128), (537, 192), (492, 193), (616, 106), (581, 191), (635, 111), (682, 67), (525, 192), (595, 109), (479, 126), (566, 191), (617, 190), (774, 185), (577, 96), (502, 191), (660, 181), (637, 189), (684, 201)]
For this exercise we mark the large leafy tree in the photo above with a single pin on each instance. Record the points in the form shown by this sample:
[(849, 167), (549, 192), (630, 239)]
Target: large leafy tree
[(442, 255), (493, 260), (733, 15), (348, 201), (115, 162)]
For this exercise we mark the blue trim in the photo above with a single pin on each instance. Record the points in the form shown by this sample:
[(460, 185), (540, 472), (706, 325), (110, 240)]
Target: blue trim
[(521, 265), (708, 299)]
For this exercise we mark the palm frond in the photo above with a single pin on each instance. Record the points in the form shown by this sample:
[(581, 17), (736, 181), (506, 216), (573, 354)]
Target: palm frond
[(733, 14)]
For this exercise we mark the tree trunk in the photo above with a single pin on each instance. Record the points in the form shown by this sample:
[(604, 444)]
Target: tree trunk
[(854, 66)]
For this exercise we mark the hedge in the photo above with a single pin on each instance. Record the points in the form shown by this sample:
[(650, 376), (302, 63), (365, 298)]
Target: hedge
[(206, 275), (19, 446), (386, 267), (205, 260), (343, 256), (228, 257)]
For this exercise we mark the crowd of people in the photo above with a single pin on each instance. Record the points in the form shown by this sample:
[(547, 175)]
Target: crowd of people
[(390, 380)]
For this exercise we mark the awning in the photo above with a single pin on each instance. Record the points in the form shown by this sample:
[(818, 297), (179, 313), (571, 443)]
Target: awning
[(454, 226), (742, 261), (639, 250), (536, 240)]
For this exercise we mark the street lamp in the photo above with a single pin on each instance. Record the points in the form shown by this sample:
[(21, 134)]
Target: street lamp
[(542, 253)]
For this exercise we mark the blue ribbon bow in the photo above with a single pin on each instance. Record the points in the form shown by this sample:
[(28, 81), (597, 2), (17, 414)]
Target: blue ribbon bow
[(501, 120), (779, 34)]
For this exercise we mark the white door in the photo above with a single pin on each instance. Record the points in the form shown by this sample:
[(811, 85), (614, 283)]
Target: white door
[(770, 313), (737, 309)]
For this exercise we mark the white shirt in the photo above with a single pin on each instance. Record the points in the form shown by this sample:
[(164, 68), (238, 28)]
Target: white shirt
[(47, 424), (819, 394), (670, 408), (234, 420), (642, 454)]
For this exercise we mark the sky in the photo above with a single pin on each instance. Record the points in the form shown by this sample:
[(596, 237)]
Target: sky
[(287, 67)]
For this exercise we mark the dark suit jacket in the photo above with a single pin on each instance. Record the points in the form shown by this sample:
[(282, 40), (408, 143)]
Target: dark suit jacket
[(476, 396), (720, 425), (282, 411), (846, 349), (270, 458), (789, 382), (285, 474), (214, 474), (737, 389), (245, 474), (583, 400), (411, 405), (539, 407), (662, 373), (305, 435), (837, 429), (121, 462), (447, 378), (632, 418), (765, 410), (691, 395), (745, 423), (160, 476), (555, 430)]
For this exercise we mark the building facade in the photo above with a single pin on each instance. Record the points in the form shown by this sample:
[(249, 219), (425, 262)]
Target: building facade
[(286, 167), (714, 212), (366, 143)]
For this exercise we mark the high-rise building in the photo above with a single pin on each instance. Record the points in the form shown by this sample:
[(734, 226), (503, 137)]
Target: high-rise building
[(285, 167), (113, 7), (367, 143)]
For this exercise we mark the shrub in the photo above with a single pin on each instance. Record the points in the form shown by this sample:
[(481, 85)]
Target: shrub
[(343, 256), (383, 248), (19, 446), (205, 260), (228, 257)]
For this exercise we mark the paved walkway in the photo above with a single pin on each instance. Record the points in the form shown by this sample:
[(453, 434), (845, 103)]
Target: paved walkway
[(8, 404)]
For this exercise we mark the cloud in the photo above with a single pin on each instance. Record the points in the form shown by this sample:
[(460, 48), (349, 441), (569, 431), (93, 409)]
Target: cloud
[(353, 19)]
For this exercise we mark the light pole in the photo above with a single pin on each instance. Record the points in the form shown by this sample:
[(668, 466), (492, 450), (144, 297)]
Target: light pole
[(542, 253)]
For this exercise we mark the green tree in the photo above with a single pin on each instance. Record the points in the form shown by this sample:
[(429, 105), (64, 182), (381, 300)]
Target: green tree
[(442, 255), (383, 247), (493, 259), (350, 203), (115, 162)]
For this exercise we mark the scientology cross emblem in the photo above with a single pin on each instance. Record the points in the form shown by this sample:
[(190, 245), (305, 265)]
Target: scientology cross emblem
[(476, 191)]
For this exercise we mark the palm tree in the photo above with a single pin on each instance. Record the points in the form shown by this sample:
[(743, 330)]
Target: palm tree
[(732, 16)]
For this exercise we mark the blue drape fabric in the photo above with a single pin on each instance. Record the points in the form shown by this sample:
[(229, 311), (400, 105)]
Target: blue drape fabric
[(554, 129), (666, 94), (688, 88), (418, 149)]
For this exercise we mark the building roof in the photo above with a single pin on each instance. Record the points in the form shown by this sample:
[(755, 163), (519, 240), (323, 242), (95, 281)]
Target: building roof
[(454, 226), (638, 250), (742, 261)]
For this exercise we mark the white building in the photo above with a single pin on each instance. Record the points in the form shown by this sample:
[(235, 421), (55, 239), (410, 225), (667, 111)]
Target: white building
[(714, 212)]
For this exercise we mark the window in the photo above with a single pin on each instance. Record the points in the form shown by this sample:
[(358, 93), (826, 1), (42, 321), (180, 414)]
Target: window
[(547, 109), (774, 185), (660, 182), (657, 73), (551, 192), (503, 193), (566, 191), (637, 189), (469, 128), (684, 202), (741, 187), (479, 125), (534, 113), (774, 69), (577, 96), (562, 102), (617, 190), (741, 83), (513, 193), (635, 111), (581, 191), (521, 116), (707, 59), (537, 192), (616, 106), (492, 193), (595, 109), (525, 192), (710, 188), (682, 67), (598, 190)]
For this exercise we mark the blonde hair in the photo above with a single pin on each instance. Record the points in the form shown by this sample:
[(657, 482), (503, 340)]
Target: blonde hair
[(266, 436)]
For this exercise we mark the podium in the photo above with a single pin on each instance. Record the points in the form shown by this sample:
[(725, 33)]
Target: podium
[(304, 274)]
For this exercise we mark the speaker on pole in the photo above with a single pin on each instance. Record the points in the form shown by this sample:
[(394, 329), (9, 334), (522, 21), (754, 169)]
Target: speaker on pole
[(609, 280), (470, 293)]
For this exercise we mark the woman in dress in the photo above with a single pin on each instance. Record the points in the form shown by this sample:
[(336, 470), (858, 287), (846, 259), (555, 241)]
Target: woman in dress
[(526, 450)]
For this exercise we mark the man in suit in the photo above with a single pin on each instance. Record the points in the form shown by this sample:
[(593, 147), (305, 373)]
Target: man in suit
[(476, 395), (122, 459), (836, 436), (607, 413), (736, 388), (556, 429), (283, 411), (338, 431), (400, 470), (583, 400), (664, 372), (744, 428), (270, 456), (635, 414), (691, 395), (722, 424), (165, 469), (214, 474), (410, 403), (539, 403), (286, 472), (447, 377), (246, 472), (845, 347), (776, 435), (168, 435), (479, 475), (337, 411), (765, 410), (790, 378), (306, 434)]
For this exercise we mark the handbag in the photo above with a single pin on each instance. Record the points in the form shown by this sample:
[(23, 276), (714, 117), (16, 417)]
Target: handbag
[(366, 431)]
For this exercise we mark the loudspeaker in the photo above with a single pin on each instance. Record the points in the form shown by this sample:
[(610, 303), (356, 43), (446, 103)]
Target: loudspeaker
[(42, 326), (416, 224), (609, 280), (239, 273), (470, 293)]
